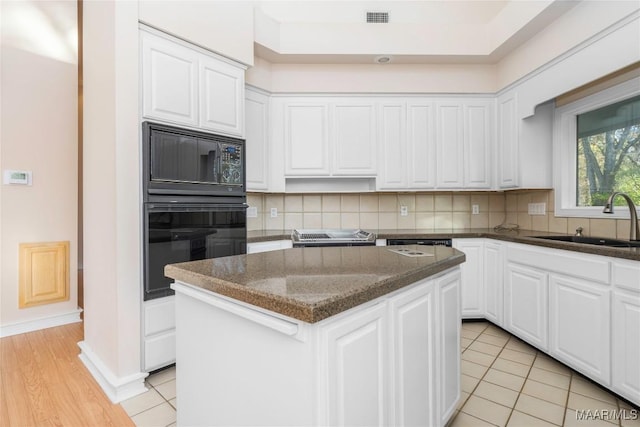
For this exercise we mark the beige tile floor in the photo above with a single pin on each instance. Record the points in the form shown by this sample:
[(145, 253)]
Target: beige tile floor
[(505, 382)]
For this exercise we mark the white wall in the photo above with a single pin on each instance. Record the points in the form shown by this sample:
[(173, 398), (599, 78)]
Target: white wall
[(38, 133), (225, 27), (111, 198)]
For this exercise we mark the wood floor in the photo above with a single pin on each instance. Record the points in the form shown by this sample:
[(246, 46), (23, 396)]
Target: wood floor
[(44, 383)]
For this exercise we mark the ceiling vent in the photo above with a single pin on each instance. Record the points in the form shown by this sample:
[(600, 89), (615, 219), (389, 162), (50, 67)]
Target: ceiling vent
[(377, 17)]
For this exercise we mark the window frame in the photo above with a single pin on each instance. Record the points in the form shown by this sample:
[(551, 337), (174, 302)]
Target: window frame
[(565, 150)]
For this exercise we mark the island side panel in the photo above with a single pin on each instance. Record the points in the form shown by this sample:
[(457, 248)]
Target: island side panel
[(234, 371)]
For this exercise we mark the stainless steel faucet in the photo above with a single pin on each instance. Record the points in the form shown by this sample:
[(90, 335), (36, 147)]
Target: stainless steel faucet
[(633, 215)]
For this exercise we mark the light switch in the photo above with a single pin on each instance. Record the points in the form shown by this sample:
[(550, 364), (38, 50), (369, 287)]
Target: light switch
[(475, 209), (404, 211), (274, 212), (252, 212)]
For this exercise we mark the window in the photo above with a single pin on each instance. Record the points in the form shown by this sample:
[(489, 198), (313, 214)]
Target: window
[(608, 152), (597, 150)]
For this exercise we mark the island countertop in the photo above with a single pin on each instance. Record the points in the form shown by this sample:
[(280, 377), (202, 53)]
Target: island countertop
[(312, 284)]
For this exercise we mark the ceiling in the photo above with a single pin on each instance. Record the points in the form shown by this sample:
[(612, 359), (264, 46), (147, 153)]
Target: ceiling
[(418, 31)]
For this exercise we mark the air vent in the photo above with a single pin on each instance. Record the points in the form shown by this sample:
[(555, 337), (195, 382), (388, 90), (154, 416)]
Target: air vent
[(377, 17)]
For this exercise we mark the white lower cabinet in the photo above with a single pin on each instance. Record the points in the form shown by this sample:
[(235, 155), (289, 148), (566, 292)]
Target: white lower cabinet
[(159, 335), (449, 335), (357, 369), (526, 300), (625, 357), (580, 325), (410, 346), (413, 356), (493, 283), (472, 277)]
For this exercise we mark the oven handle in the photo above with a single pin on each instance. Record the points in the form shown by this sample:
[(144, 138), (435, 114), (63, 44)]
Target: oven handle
[(195, 207)]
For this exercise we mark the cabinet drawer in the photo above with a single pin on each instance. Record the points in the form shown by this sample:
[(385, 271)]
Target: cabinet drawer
[(159, 351), (626, 274), (585, 266), (159, 315)]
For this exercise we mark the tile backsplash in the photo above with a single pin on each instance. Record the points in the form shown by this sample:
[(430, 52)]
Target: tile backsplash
[(425, 210)]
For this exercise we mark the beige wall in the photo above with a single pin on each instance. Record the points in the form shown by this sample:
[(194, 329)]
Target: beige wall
[(38, 133), (429, 211), (581, 23)]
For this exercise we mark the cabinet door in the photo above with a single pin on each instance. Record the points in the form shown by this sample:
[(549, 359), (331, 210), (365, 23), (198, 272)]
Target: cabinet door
[(477, 144), (257, 139), (580, 325), (414, 326), (421, 144), (356, 369), (354, 139), (626, 345), (393, 147), (508, 131), (450, 145), (472, 287), (169, 80), (221, 97), (306, 139), (493, 274), (449, 364), (526, 304)]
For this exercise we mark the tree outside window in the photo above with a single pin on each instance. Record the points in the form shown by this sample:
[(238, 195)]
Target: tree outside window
[(609, 153)]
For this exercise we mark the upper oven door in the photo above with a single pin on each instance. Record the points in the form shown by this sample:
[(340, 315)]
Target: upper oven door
[(189, 232), (184, 162)]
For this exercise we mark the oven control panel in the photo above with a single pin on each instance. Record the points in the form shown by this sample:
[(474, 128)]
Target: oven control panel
[(231, 164)]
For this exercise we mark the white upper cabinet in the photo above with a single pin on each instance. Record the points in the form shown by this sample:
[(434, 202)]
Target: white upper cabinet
[(524, 145), (507, 141), (478, 135), (330, 137), (306, 135), (450, 146), (186, 85), (464, 138), (421, 138), (169, 80), (407, 143), (354, 138), (222, 96), (257, 139), (394, 157)]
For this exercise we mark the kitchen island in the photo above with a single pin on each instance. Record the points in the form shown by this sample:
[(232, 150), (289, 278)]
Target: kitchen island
[(319, 336)]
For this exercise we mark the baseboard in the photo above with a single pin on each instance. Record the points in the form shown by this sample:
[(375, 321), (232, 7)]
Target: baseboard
[(41, 323), (116, 388)]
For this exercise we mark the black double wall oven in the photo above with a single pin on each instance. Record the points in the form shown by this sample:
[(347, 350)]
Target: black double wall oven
[(194, 200)]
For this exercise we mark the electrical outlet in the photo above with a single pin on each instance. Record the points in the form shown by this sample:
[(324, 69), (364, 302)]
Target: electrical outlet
[(274, 212), (537, 208), (252, 212), (404, 211), (475, 209)]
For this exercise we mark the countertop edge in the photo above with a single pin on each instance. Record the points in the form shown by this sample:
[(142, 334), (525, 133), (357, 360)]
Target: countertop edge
[(311, 313), (521, 236)]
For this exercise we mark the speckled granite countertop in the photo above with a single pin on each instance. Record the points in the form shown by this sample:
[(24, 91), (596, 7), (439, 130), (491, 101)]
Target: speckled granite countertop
[(521, 236), (311, 284)]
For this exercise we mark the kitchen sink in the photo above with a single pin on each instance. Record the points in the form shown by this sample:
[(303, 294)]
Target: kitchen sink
[(600, 241)]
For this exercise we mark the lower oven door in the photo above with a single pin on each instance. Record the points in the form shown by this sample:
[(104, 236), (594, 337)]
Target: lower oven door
[(180, 232)]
